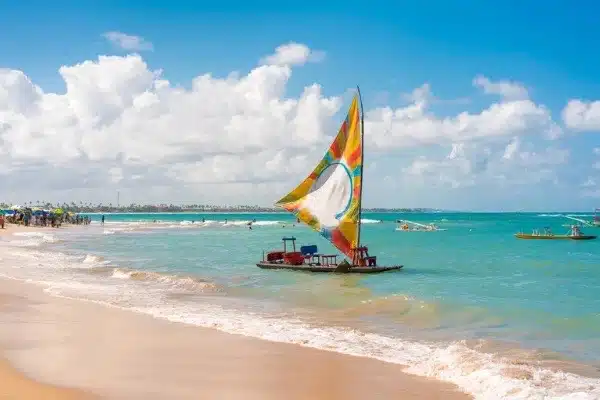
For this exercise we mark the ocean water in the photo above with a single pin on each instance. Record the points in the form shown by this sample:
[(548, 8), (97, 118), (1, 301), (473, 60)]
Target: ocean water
[(498, 316)]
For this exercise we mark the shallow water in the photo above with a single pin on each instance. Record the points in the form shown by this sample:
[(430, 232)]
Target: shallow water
[(467, 295)]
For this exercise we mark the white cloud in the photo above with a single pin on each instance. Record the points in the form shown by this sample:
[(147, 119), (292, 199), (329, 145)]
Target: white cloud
[(128, 42), (582, 116), (511, 150), (470, 164), (420, 95), (508, 90), (590, 187), (596, 152), (589, 183), (416, 125), (293, 54), (120, 117), (239, 139)]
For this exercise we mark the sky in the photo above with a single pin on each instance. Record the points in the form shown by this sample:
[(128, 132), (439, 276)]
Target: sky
[(468, 105)]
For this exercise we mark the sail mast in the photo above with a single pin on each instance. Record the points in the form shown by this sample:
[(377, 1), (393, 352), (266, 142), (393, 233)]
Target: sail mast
[(362, 177), (329, 198)]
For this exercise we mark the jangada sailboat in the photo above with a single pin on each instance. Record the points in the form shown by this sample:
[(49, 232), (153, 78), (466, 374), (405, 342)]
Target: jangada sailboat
[(329, 201)]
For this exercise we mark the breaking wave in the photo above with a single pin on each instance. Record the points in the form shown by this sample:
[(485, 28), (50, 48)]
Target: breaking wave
[(32, 239), (176, 281)]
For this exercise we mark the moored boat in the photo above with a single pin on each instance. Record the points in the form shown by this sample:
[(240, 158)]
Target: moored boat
[(595, 222), (574, 234), (308, 259), (329, 201)]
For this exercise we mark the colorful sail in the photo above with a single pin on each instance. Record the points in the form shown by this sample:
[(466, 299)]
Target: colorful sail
[(328, 200)]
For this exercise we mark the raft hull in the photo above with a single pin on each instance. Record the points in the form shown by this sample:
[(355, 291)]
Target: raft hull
[(554, 237), (329, 268)]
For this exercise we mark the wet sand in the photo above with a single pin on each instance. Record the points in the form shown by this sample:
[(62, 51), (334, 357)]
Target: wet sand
[(11, 228), (119, 354), (16, 385)]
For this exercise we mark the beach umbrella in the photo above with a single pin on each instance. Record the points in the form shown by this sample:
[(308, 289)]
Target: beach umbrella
[(58, 211), (16, 207)]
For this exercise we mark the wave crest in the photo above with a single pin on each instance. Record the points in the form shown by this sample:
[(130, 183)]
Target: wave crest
[(177, 281)]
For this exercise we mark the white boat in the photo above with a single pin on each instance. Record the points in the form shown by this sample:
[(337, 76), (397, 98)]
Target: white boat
[(582, 222), (405, 225)]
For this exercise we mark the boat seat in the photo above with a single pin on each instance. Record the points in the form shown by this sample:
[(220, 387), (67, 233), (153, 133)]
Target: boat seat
[(310, 254), (310, 250)]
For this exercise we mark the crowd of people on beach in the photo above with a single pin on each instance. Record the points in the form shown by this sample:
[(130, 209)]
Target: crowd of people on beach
[(42, 218)]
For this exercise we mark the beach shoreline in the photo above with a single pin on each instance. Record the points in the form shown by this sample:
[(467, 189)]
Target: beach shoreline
[(121, 349), (130, 355), (141, 313), (16, 384)]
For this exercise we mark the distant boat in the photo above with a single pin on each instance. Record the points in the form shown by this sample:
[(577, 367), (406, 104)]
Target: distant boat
[(574, 234), (405, 225), (595, 222), (329, 201)]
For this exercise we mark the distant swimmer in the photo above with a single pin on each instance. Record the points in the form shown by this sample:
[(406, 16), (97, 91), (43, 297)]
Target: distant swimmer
[(102, 220)]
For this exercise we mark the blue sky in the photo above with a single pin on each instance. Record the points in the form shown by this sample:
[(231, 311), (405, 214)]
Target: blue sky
[(397, 46), (549, 47)]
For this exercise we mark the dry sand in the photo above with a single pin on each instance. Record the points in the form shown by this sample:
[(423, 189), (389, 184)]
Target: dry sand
[(118, 354)]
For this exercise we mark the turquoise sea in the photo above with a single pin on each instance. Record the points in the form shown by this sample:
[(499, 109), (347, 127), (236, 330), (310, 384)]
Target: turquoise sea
[(500, 317)]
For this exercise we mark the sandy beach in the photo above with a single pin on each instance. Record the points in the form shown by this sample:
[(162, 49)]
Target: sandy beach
[(15, 385), (56, 348)]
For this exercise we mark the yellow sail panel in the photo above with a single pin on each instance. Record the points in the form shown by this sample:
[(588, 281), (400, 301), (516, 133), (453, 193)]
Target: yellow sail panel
[(328, 200)]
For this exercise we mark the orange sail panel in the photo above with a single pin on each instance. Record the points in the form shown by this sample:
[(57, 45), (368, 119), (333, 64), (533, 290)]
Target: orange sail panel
[(328, 200)]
